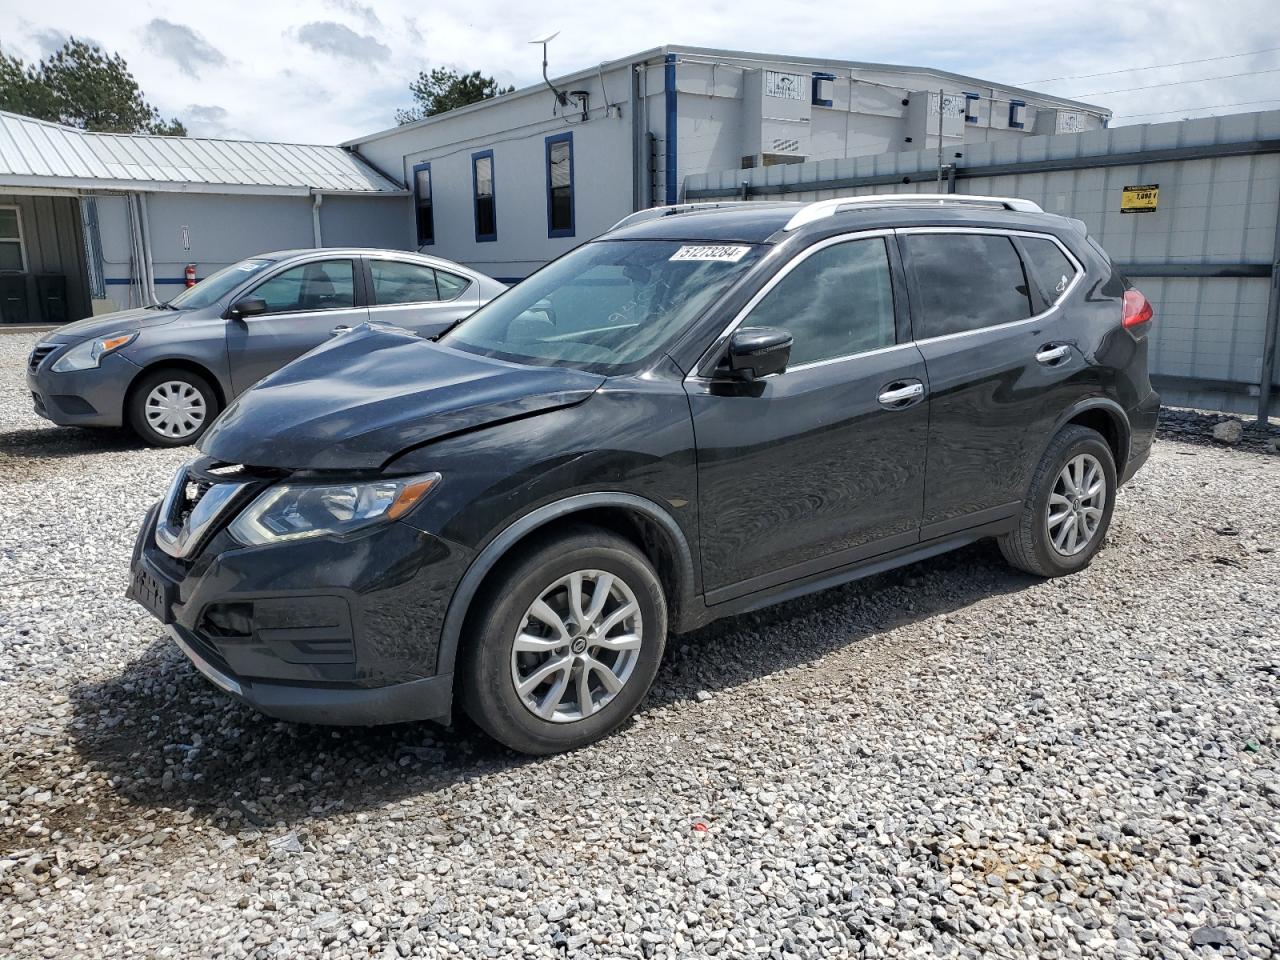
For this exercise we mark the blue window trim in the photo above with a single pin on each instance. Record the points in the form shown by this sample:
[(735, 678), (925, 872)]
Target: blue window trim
[(669, 85), (475, 195), (1013, 112), (418, 242), (550, 141), (971, 98), (814, 98)]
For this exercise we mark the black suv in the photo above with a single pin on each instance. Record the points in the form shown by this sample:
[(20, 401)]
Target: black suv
[(701, 412)]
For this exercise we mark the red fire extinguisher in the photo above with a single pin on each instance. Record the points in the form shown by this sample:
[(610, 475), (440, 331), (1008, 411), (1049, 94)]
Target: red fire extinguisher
[(190, 274)]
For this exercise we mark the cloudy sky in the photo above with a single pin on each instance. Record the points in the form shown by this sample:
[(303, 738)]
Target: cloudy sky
[(326, 70)]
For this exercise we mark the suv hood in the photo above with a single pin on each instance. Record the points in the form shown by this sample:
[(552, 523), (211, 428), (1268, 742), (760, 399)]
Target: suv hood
[(367, 395), (122, 321)]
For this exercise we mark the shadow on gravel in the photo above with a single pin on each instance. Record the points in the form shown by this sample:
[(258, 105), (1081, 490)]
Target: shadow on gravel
[(162, 737), (53, 443)]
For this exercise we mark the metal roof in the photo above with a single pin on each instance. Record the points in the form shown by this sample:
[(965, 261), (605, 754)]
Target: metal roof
[(37, 154)]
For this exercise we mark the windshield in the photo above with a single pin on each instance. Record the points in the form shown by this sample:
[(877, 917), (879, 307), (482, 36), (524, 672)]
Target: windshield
[(605, 306), (217, 285)]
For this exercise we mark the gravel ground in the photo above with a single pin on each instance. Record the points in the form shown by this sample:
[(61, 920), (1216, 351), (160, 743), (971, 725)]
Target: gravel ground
[(948, 760)]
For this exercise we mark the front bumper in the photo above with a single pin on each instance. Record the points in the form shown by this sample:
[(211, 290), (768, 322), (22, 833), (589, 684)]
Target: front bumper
[(82, 398), (314, 631)]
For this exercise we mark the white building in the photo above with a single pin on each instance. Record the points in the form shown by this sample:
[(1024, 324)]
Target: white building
[(509, 183)]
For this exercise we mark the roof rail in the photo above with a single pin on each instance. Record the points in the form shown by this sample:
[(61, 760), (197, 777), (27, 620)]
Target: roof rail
[(653, 213), (826, 208)]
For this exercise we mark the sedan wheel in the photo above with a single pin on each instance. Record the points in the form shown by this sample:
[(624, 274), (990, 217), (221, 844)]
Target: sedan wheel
[(175, 409), (577, 646)]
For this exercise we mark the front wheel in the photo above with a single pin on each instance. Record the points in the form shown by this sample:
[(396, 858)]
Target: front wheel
[(172, 408), (1066, 515), (565, 643)]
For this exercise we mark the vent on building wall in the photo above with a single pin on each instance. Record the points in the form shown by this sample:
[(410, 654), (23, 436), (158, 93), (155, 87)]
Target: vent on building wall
[(786, 146)]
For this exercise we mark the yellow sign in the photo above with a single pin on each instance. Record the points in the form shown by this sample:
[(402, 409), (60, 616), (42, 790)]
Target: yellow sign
[(1140, 199)]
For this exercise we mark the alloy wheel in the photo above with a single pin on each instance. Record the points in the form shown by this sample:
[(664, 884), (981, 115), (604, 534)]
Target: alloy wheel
[(577, 646), (175, 409), (1076, 504)]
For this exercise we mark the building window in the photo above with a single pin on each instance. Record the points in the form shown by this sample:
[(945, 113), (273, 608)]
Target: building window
[(13, 256), (823, 89), (482, 189), (422, 204), (971, 101), (1017, 110), (560, 185)]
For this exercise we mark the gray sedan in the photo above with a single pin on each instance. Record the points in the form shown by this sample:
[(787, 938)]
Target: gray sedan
[(167, 370)]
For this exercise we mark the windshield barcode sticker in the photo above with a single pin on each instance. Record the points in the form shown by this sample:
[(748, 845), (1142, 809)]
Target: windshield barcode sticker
[(720, 252)]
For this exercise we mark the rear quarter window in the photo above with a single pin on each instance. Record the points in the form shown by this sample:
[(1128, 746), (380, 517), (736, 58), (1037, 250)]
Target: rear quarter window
[(966, 281), (1053, 267)]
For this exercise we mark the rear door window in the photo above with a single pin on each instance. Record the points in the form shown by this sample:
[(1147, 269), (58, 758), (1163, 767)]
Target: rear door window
[(835, 303), (1053, 267), (965, 281), (451, 285), (395, 281)]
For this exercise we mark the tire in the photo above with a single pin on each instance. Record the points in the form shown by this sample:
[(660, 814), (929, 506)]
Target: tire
[(157, 403), (1042, 547), (490, 667)]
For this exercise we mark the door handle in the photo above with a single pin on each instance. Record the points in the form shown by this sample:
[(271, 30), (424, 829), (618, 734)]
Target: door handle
[(340, 328), (1053, 353), (901, 393)]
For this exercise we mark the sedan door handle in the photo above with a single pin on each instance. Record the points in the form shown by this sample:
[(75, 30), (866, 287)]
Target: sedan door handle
[(1053, 353), (901, 393), (340, 328)]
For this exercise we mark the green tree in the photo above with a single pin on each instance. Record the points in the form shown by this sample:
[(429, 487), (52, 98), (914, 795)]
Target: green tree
[(81, 86), (444, 89)]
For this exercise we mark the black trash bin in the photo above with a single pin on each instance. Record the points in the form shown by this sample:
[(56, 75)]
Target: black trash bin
[(51, 290), (14, 302)]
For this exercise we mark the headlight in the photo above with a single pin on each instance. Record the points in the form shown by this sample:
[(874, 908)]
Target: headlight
[(89, 354), (293, 511)]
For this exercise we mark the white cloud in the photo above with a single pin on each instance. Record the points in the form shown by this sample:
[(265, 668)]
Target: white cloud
[(280, 80)]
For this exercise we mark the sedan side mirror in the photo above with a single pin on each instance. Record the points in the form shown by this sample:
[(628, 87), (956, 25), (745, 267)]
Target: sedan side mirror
[(758, 352), (248, 307)]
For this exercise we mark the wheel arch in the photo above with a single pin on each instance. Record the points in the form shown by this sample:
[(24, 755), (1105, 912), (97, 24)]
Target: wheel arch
[(642, 521), (173, 363), (1105, 416)]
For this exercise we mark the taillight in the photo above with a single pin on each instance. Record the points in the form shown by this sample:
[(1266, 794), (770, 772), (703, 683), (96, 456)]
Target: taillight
[(1137, 310)]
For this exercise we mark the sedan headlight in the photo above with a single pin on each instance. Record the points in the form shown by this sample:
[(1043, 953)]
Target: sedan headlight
[(294, 511), (87, 355)]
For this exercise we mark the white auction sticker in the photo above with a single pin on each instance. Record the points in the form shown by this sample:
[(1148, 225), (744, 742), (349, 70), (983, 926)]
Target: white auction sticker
[(718, 252)]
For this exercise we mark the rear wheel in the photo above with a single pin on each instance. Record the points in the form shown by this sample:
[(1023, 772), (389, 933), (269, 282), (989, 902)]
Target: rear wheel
[(172, 408), (1066, 516), (565, 643)]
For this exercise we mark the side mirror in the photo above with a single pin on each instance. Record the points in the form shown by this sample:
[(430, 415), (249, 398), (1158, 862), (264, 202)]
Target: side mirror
[(248, 307), (757, 352)]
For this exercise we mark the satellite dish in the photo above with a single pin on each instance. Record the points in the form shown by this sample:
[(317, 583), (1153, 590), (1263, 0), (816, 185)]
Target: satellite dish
[(546, 37)]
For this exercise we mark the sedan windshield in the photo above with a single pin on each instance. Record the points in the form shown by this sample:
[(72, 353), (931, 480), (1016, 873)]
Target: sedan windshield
[(217, 285), (605, 307)]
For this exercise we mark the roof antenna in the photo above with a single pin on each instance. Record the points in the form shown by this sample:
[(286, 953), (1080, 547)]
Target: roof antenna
[(561, 98)]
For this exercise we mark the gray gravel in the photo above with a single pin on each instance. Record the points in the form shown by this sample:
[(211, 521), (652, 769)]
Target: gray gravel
[(948, 760)]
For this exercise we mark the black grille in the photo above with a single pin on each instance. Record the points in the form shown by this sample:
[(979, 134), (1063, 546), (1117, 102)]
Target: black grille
[(38, 355)]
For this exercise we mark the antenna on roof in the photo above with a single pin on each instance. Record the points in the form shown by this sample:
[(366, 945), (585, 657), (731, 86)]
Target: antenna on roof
[(561, 98)]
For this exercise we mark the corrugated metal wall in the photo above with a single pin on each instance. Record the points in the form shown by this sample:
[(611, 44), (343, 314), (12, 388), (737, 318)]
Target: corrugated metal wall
[(1205, 257), (54, 244)]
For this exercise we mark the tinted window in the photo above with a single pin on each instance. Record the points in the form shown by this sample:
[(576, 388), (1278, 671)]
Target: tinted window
[(1051, 265), (606, 306), (324, 285), (837, 302), (560, 185), (966, 281), (451, 285), (422, 205), (398, 282), (486, 213)]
